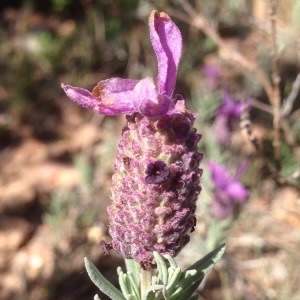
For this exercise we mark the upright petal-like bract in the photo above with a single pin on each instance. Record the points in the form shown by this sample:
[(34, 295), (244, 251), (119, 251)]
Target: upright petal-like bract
[(156, 177), (167, 44)]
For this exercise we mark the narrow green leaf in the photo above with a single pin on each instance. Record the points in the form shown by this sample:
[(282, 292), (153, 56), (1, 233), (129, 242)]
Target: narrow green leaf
[(158, 292), (134, 268), (170, 273), (186, 288), (173, 279), (129, 291), (119, 271), (124, 284), (206, 263), (134, 285), (171, 261), (187, 292), (193, 275), (101, 282), (162, 268), (189, 273)]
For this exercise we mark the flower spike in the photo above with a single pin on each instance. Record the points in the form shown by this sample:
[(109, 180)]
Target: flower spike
[(156, 179)]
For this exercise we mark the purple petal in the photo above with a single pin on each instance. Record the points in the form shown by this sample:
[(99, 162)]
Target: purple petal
[(81, 96), (148, 101), (219, 175), (231, 108), (110, 97), (237, 191), (157, 172), (167, 43), (116, 96), (178, 108), (118, 85)]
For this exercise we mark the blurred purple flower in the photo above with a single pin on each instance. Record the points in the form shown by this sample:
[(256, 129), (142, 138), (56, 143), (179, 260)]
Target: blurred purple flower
[(156, 177), (211, 76), (226, 118), (228, 190)]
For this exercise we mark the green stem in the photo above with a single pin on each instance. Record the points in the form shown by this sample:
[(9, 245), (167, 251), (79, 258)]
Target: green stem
[(146, 278)]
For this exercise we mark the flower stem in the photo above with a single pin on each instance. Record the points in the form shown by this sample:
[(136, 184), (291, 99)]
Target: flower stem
[(146, 278)]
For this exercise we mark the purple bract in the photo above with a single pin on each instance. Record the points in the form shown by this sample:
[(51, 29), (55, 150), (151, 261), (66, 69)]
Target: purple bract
[(125, 96)]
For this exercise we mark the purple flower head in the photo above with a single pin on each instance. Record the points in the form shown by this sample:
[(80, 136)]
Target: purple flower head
[(228, 190), (227, 116), (156, 178), (125, 96)]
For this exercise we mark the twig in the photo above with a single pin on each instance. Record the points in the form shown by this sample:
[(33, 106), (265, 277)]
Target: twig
[(263, 107), (288, 102), (276, 99)]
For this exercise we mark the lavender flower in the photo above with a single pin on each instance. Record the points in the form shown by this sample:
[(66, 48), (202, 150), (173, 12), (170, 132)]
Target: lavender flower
[(226, 117), (228, 190), (156, 177)]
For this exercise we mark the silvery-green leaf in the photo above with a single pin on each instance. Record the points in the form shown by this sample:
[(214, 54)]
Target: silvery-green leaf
[(189, 273), (162, 268), (134, 285), (103, 284), (134, 268), (156, 294), (206, 263), (186, 292), (193, 276), (173, 279), (171, 261), (124, 284)]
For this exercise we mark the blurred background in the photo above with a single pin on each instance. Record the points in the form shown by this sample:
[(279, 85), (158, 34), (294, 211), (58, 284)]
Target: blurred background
[(56, 158)]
